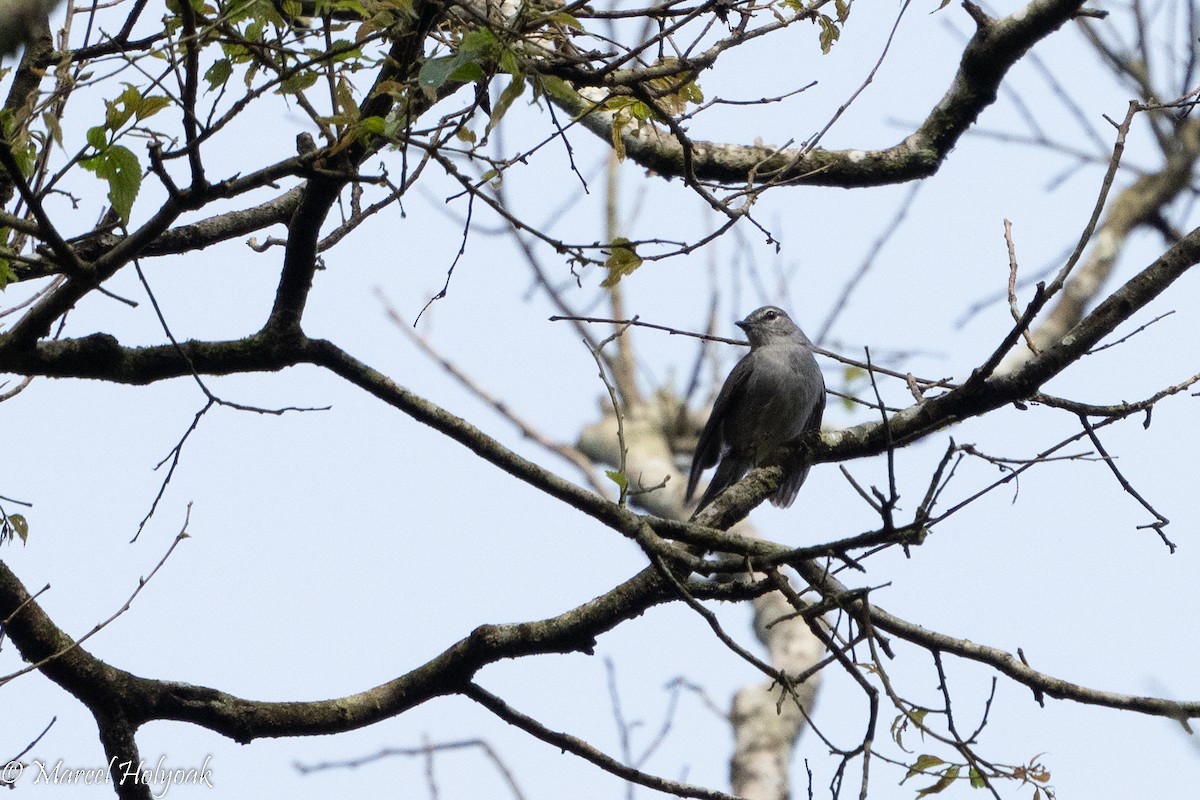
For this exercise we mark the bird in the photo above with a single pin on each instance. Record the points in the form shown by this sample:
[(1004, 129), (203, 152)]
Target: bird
[(773, 396)]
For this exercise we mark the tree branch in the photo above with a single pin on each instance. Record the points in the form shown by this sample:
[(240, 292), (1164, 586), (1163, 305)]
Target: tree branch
[(995, 47)]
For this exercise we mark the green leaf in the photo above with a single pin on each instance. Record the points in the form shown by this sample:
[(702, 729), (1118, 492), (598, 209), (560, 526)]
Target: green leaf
[(622, 261), (297, 82), (619, 478), (436, 71), (469, 72), (25, 153), (477, 48), (218, 73), (254, 31), (338, 119), (51, 122), (7, 274), (567, 20), (556, 88), (641, 111), (119, 111), (478, 42), (511, 92), (151, 105), (344, 50), (120, 168), (900, 725), (843, 10), (977, 781), (509, 63), (924, 763), (97, 137), (373, 125), (131, 104)]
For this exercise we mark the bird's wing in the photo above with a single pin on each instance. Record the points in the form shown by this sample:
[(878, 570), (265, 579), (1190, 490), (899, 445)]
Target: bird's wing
[(793, 479), (805, 365), (814, 419), (708, 449)]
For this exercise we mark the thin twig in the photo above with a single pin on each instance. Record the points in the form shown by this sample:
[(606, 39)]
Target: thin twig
[(579, 747), (142, 583), (1160, 521), (1012, 286), (940, 383)]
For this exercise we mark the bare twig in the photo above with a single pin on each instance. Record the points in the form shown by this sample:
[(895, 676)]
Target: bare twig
[(142, 583), (579, 747)]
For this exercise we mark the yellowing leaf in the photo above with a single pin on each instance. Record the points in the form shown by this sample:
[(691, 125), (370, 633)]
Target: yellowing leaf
[(943, 783), (622, 261), (618, 142), (20, 525), (53, 127), (830, 33), (924, 763), (345, 98)]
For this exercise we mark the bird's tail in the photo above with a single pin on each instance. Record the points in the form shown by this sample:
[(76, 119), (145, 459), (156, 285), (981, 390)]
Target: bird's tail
[(729, 471), (789, 487)]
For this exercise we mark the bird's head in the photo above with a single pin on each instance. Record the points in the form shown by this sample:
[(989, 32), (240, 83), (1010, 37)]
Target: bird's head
[(766, 324)]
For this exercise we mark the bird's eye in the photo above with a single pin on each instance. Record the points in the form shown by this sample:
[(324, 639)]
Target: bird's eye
[(770, 315)]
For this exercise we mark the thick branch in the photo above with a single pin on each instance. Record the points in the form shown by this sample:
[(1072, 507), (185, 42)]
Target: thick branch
[(977, 398), (22, 93), (207, 232), (1138, 205), (994, 657), (111, 693), (995, 47)]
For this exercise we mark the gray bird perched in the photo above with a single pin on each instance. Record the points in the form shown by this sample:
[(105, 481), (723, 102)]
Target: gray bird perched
[(773, 396)]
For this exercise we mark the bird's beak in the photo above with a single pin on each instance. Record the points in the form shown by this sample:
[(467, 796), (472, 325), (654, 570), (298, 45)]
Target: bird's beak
[(741, 323)]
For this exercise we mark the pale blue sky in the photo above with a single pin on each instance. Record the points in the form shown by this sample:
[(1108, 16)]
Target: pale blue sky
[(335, 550)]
